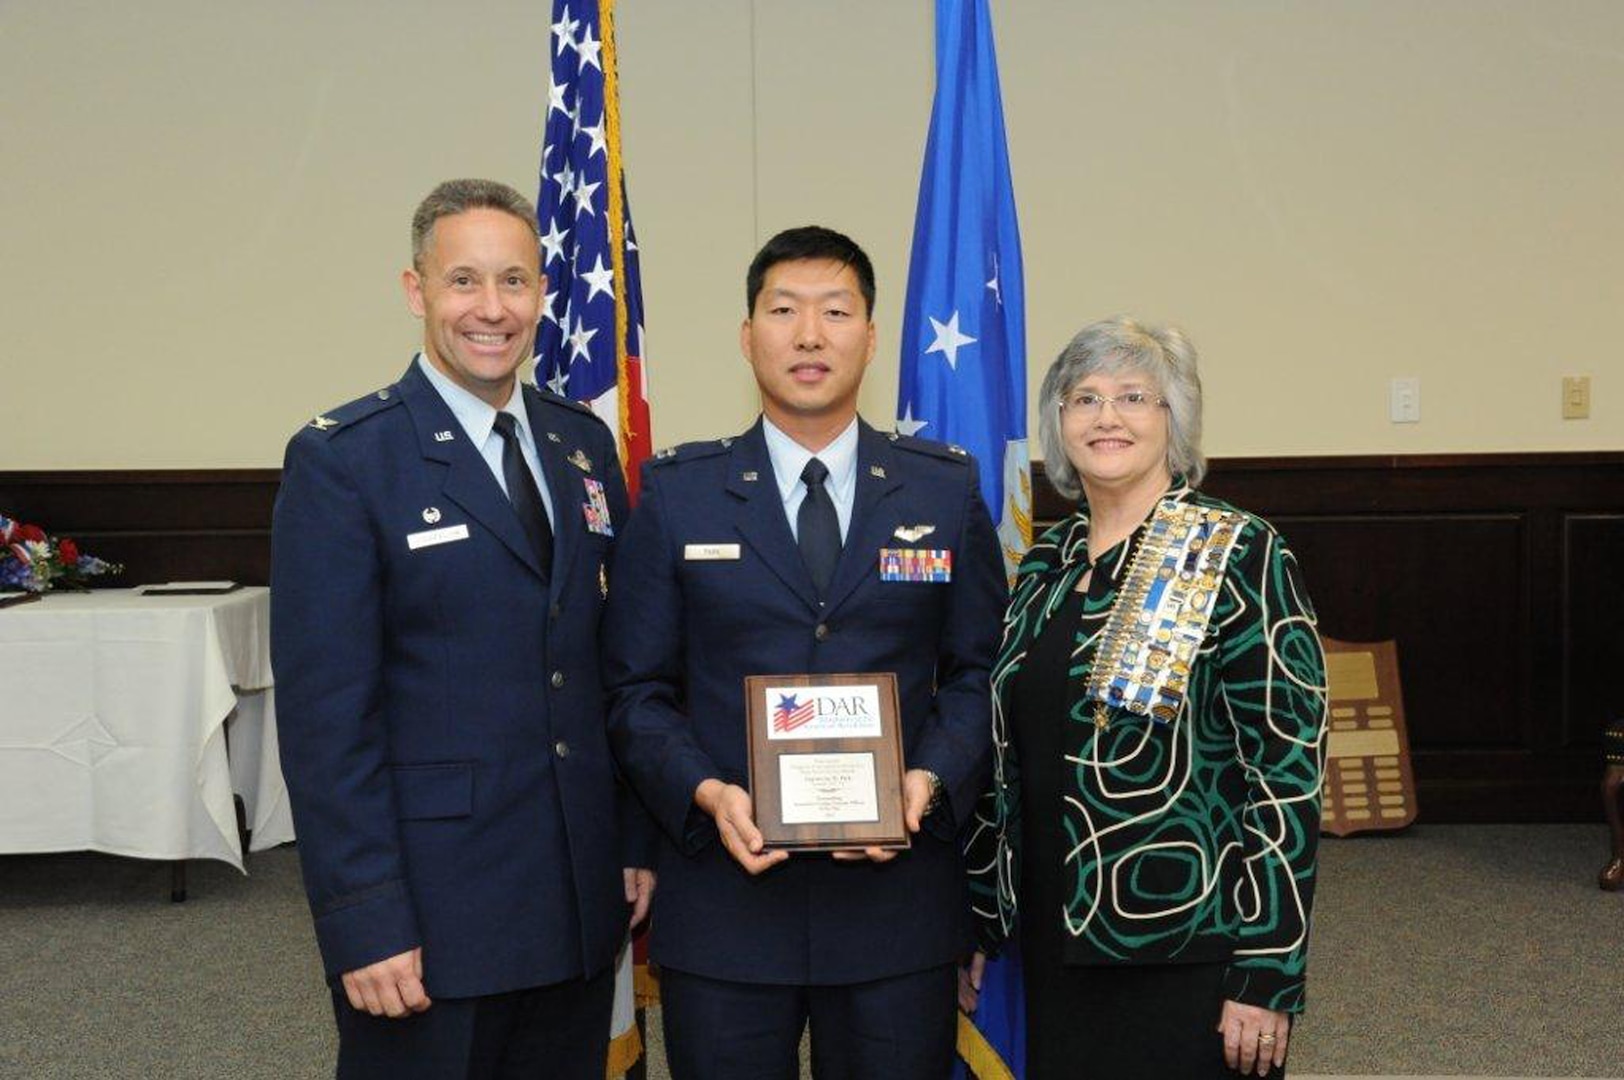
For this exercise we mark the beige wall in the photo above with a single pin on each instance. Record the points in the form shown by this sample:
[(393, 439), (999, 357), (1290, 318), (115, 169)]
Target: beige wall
[(205, 201)]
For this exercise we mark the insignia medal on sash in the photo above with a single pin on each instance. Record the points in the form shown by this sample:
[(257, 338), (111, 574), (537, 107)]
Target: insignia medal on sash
[(1161, 612)]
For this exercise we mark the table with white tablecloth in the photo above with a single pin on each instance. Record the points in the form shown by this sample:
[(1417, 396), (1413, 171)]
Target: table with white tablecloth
[(129, 721)]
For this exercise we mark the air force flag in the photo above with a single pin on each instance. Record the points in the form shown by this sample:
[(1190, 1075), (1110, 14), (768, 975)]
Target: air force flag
[(964, 324), (964, 367)]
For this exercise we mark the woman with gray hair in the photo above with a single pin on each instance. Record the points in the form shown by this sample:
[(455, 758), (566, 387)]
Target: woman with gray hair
[(1159, 723)]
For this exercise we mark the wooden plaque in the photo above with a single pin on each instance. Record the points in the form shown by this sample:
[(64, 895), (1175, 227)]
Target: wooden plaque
[(826, 761), (1368, 783)]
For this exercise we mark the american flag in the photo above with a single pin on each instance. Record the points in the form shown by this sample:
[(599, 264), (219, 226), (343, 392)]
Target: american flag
[(789, 716), (589, 344)]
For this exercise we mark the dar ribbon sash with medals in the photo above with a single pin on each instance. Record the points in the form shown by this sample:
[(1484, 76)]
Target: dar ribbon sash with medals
[(1161, 612)]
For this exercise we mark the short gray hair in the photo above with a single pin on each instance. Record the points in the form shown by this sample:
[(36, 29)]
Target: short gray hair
[(460, 196), (1115, 346)]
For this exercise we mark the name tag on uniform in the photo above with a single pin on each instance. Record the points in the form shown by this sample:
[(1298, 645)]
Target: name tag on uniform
[(709, 552), (431, 537), (916, 564)]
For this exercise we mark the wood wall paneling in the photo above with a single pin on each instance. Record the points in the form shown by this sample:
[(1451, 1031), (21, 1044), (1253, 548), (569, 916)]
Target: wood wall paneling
[(1592, 626), (163, 525), (1398, 577), (1501, 577)]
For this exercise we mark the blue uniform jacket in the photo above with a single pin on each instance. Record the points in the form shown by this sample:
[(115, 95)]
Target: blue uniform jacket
[(440, 709), (680, 636)]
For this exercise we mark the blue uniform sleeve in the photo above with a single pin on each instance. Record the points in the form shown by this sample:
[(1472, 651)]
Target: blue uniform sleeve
[(957, 743), (327, 643), (639, 837), (644, 658)]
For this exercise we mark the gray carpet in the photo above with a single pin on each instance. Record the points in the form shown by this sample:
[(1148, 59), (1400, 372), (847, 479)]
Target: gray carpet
[(1448, 951)]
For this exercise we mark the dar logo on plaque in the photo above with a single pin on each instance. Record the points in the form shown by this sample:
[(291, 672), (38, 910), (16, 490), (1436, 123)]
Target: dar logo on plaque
[(789, 715), (822, 712)]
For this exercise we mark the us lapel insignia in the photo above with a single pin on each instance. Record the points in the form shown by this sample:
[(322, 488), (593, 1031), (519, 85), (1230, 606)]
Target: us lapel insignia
[(877, 471), (322, 423), (750, 476), (581, 461), (431, 514), (443, 436), (552, 436)]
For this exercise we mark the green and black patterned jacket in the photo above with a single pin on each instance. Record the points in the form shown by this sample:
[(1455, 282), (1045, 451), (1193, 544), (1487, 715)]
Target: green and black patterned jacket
[(1192, 841)]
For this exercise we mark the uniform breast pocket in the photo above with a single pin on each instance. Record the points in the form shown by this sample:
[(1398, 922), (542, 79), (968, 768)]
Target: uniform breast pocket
[(904, 607), (427, 792), (731, 595), (427, 552)]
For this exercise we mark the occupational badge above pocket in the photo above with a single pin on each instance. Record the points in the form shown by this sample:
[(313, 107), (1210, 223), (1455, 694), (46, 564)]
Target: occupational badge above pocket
[(916, 564)]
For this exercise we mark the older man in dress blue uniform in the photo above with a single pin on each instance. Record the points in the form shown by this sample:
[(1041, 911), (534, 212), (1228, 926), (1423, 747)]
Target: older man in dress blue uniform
[(763, 554), (440, 563)]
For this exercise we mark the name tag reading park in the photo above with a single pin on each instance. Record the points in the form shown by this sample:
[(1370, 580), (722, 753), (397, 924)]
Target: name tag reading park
[(826, 761)]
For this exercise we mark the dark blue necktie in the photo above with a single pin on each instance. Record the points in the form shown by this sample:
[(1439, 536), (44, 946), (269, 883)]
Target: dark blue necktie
[(817, 528), (523, 493)]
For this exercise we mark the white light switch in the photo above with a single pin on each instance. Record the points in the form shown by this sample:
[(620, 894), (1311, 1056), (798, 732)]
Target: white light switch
[(1404, 400)]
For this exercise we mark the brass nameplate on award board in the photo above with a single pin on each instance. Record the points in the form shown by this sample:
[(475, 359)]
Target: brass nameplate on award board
[(826, 761)]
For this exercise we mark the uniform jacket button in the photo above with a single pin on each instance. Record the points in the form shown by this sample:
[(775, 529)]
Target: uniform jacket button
[(558, 680), (561, 748), (822, 632)]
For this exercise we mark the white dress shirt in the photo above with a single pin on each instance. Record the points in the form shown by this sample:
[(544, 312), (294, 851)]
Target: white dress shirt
[(790, 457), (478, 422)]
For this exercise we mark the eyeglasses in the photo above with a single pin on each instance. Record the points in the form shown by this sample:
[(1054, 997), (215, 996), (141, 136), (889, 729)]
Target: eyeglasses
[(1133, 403)]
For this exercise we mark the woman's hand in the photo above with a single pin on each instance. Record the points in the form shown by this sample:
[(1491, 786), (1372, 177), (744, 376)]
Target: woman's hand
[(970, 982), (1254, 1037)]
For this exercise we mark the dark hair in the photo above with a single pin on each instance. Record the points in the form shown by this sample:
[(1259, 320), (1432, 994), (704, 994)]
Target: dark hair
[(460, 196), (809, 242)]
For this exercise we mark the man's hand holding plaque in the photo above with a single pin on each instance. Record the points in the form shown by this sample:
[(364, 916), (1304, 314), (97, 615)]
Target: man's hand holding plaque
[(729, 806), (918, 788)]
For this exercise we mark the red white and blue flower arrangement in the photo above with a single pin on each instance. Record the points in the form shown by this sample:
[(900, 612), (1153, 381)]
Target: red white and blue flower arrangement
[(31, 561)]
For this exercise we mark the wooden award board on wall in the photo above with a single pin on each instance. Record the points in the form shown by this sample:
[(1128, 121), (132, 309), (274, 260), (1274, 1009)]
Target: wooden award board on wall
[(1369, 785)]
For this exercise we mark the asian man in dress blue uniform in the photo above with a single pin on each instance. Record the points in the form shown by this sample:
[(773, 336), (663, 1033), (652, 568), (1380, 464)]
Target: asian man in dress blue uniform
[(767, 554), (440, 563)]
